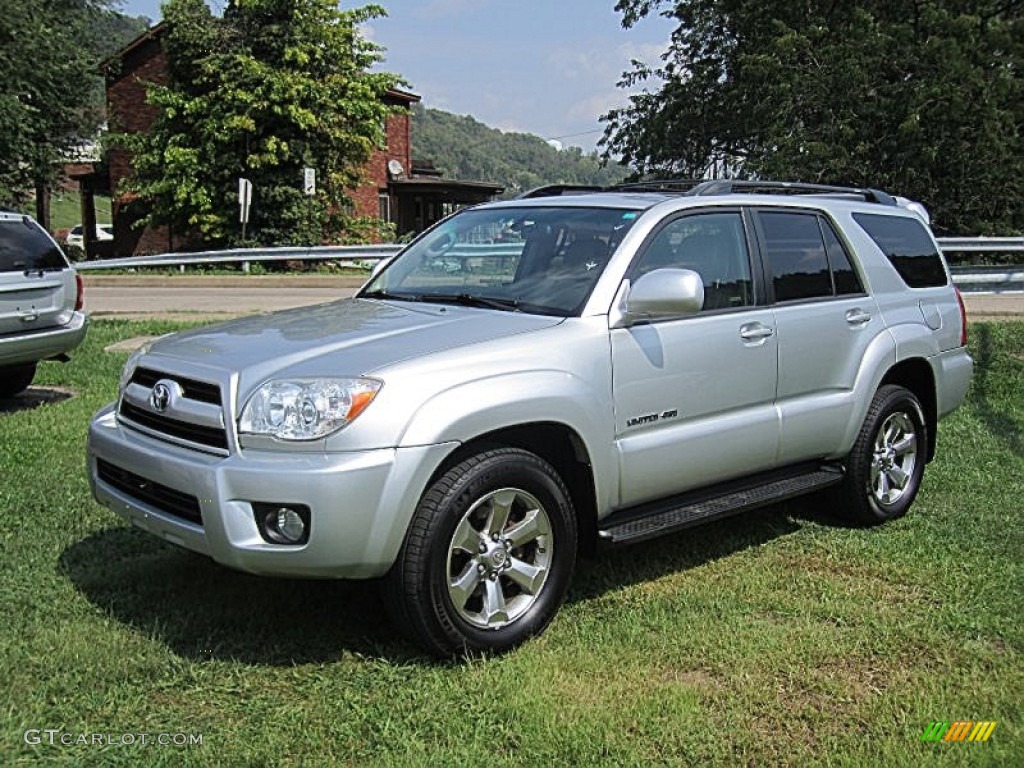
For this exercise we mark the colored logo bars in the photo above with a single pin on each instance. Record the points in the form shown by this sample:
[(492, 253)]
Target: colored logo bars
[(962, 730)]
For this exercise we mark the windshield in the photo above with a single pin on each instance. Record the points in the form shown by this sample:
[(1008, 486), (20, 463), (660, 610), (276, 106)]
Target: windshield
[(538, 260)]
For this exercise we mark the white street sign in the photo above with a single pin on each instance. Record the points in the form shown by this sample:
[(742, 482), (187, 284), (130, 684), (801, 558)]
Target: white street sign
[(244, 200), (309, 181)]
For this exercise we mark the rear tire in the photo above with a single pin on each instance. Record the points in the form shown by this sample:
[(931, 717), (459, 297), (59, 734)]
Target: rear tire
[(16, 379), (885, 467), (488, 557)]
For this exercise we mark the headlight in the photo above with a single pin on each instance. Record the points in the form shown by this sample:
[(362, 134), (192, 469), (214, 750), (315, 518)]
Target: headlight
[(130, 366), (305, 409)]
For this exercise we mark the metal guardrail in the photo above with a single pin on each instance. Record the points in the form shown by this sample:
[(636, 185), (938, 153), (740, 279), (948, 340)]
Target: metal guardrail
[(343, 253), (1008, 279), (981, 244)]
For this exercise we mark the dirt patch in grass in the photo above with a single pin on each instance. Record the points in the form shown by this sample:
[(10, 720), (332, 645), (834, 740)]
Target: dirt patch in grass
[(34, 397)]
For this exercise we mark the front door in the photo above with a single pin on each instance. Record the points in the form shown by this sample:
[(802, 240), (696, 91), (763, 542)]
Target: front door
[(694, 396)]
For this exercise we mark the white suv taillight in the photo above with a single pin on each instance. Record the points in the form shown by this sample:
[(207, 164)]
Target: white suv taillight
[(963, 318), (80, 292)]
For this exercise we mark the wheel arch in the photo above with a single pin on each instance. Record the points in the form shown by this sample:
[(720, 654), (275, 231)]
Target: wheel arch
[(916, 375), (560, 446)]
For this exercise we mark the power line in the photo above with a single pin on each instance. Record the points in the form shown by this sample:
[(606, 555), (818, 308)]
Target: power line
[(573, 135)]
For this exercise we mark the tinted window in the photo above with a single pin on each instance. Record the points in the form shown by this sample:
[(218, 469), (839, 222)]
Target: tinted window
[(24, 246), (843, 274), (906, 243), (714, 246), (796, 255)]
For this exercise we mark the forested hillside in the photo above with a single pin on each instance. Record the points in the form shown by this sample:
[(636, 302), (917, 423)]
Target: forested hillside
[(466, 149)]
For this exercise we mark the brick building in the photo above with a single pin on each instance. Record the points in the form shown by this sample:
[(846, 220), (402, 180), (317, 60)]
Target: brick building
[(410, 194)]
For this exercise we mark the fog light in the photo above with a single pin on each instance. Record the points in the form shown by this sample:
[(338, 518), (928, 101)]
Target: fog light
[(282, 523), (290, 525)]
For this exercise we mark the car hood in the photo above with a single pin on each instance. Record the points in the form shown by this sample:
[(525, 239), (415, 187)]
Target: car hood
[(350, 337)]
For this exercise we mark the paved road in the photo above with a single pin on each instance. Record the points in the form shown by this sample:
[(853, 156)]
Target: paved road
[(188, 296), (150, 297)]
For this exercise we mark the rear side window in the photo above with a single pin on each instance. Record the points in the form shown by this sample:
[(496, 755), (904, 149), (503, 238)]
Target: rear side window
[(796, 255), (24, 247), (908, 247)]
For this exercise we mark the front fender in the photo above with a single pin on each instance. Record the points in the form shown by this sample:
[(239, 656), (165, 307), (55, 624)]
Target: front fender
[(515, 399)]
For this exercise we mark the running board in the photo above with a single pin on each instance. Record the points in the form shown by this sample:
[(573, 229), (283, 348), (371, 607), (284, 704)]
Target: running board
[(650, 520)]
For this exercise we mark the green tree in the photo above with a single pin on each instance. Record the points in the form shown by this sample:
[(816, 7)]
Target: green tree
[(269, 89), (923, 97), (50, 92)]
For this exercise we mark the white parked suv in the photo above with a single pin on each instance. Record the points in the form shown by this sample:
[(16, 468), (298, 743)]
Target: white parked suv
[(41, 300), (537, 376), (76, 236)]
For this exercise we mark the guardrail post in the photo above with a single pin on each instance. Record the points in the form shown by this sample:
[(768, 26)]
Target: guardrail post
[(245, 267)]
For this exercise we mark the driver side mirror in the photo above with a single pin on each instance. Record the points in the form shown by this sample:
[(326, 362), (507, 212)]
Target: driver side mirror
[(662, 293)]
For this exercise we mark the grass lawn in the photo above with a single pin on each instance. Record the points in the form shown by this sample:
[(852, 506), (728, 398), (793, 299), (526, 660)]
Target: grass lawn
[(66, 209), (774, 638)]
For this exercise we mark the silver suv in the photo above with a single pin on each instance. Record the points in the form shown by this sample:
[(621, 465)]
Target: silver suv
[(535, 377), (40, 302)]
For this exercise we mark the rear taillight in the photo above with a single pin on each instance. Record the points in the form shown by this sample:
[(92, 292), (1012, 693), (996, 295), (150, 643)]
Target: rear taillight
[(80, 288), (963, 318)]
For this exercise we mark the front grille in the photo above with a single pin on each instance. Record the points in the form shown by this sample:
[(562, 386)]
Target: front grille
[(194, 390), (152, 493), (194, 433), (198, 420)]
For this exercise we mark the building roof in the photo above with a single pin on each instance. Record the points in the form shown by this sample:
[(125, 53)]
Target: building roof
[(447, 187)]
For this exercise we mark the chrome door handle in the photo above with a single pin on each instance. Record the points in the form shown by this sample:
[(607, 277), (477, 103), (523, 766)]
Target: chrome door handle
[(857, 317), (755, 331)]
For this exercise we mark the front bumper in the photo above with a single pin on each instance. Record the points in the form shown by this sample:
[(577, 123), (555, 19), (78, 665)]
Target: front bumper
[(32, 346), (361, 502)]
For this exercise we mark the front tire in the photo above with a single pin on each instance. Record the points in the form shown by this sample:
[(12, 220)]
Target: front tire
[(488, 557), (16, 379), (885, 467)]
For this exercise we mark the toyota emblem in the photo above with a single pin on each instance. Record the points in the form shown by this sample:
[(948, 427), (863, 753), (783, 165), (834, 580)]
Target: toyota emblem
[(160, 397)]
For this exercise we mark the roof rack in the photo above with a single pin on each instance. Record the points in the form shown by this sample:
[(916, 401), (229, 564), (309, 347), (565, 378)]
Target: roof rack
[(731, 186), (555, 190), (704, 188)]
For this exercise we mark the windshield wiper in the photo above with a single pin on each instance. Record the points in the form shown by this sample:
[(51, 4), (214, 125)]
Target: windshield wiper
[(469, 300), (380, 293)]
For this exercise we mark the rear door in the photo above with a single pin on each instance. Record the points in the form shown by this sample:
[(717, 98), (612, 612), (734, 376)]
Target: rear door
[(694, 396), (37, 288), (825, 322)]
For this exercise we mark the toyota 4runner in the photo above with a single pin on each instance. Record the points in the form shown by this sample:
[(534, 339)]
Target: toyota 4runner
[(537, 376)]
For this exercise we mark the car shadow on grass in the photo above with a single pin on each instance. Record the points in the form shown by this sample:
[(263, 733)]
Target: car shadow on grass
[(34, 397), (1000, 427), (690, 548), (201, 610)]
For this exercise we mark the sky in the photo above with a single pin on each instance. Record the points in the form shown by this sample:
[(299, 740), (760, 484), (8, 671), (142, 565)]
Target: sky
[(547, 67)]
